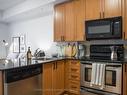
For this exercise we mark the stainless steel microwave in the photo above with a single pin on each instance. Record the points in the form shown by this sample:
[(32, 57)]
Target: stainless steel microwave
[(108, 28)]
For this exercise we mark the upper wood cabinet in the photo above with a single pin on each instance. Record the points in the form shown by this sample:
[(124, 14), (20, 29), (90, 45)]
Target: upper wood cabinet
[(59, 22), (124, 19), (69, 21), (93, 9), (98, 9), (79, 6), (112, 8)]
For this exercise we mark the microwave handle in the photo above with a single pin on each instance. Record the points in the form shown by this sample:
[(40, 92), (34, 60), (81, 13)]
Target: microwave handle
[(112, 27)]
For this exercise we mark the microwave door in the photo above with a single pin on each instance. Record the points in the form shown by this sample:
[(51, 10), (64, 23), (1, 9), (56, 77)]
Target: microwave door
[(98, 30)]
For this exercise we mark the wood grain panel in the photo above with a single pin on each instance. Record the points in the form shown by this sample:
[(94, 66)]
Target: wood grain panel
[(59, 78), (59, 22), (80, 20), (124, 90), (112, 8), (70, 22), (47, 79), (93, 9), (125, 20), (1, 83)]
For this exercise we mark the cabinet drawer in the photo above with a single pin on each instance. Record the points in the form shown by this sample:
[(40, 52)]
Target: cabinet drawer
[(74, 70), (74, 87), (74, 63), (74, 76)]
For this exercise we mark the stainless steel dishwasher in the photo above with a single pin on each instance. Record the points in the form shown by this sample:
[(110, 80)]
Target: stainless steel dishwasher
[(23, 81)]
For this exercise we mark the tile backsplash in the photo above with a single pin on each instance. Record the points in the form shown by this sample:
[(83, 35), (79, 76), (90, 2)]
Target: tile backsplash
[(88, 43)]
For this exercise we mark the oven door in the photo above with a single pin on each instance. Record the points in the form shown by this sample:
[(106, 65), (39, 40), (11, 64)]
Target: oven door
[(112, 77), (86, 71)]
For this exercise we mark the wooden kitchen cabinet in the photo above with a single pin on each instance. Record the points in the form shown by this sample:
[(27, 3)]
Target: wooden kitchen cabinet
[(112, 8), (99, 9), (1, 84), (93, 9), (69, 24), (124, 90), (72, 76), (79, 6), (64, 29), (59, 22), (53, 78), (124, 19), (58, 78), (47, 77)]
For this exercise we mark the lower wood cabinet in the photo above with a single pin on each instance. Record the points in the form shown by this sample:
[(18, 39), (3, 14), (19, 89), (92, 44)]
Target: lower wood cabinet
[(47, 78), (53, 78), (124, 79), (69, 21), (1, 83), (72, 76), (58, 78)]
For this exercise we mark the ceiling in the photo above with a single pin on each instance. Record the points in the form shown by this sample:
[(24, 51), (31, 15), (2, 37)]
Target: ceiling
[(17, 10), (5, 4)]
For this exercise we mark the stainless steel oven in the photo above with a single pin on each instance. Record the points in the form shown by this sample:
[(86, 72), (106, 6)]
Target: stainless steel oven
[(113, 75)]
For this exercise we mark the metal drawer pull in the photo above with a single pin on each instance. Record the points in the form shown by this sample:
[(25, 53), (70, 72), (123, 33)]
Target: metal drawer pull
[(73, 87), (74, 69), (74, 76), (74, 63)]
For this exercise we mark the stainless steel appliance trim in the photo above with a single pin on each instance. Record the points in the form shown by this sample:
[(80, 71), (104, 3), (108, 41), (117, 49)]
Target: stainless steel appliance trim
[(109, 66), (34, 83), (95, 92), (107, 63)]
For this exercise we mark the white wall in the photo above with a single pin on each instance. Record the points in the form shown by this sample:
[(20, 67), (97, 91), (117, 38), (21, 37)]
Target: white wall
[(4, 35), (38, 31)]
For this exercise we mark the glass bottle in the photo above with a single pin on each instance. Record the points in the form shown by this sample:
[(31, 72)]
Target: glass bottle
[(29, 56)]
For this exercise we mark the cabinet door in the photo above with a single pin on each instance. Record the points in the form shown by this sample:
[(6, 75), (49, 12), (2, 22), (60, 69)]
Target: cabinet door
[(125, 19), (125, 79), (66, 79), (59, 22), (80, 20), (47, 79), (112, 8), (93, 9), (1, 83), (58, 77), (70, 22)]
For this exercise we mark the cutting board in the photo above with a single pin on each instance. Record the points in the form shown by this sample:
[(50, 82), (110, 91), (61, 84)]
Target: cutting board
[(68, 51)]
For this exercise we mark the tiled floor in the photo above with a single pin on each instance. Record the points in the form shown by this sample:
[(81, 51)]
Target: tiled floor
[(87, 93), (84, 93)]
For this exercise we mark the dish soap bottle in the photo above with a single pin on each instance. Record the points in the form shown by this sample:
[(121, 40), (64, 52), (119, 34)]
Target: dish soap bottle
[(29, 56)]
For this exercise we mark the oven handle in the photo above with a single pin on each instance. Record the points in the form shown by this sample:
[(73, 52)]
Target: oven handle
[(107, 64)]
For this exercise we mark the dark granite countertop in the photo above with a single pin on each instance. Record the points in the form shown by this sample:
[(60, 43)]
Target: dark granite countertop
[(9, 64), (5, 65)]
